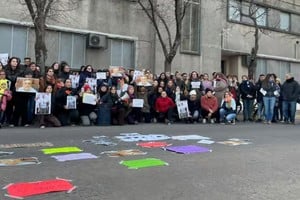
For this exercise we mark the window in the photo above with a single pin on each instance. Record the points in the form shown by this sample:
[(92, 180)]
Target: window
[(122, 53), (190, 42), (242, 11), (234, 10), (284, 21), (295, 25), (275, 19), (261, 16), (13, 40), (280, 68), (72, 49)]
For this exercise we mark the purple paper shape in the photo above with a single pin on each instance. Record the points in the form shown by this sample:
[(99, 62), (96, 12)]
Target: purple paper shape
[(189, 149), (74, 156)]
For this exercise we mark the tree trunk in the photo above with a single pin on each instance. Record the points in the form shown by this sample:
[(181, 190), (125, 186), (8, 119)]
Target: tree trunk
[(40, 44), (252, 69), (168, 65)]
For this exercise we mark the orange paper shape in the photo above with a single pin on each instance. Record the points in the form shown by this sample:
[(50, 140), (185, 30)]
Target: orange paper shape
[(26, 189), (153, 144)]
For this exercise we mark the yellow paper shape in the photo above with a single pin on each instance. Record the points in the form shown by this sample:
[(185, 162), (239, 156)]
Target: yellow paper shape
[(61, 150)]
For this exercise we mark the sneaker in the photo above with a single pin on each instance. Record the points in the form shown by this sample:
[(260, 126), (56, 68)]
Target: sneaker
[(222, 122), (169, 123), (154, 120), (26, 125), (42, 126), (204, 121), (212, 121), (233, 122), (11, 125)]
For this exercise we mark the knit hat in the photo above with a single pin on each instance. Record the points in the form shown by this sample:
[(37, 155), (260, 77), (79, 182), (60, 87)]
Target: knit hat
[(208, 90), (193, 92), (86, 87)]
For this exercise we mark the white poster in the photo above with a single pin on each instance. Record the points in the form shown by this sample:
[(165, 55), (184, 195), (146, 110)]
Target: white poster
[(3, 58), (137, 103), (43, 103), (89, 98), (71, 102), (136, 74), (75, 80), (183, 109), (196, 85), (101, 75), (92, 82)]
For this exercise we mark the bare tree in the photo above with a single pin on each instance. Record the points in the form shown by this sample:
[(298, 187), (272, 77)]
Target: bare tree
[(250, 12), (40, 11), (164, 16)]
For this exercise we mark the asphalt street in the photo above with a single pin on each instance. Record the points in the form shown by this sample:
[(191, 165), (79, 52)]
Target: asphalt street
[(267, 169)]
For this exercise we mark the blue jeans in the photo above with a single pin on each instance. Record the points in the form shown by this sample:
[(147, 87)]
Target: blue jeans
[(248, 109), (269, 103), (224, 115), (260, 110), (30, 109), (289, 110)]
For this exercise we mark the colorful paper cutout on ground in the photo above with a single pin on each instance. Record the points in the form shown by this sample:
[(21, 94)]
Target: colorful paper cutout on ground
[(153, 144), (135, 137), (189, 149), (19, 161), (26, 189), (129, 152), (39, 144), (61, 150), (74, 156), (190, 137), (5, 153), (235, 142), (142, 163), (206, 142), (104, 140)]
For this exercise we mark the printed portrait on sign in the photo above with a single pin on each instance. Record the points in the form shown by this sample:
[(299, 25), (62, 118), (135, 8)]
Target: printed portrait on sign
[(116, 71), (43, 103), (30, 85)]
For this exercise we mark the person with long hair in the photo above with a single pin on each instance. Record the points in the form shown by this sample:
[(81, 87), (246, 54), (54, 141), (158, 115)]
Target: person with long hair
[(228, 109), (269, 90)]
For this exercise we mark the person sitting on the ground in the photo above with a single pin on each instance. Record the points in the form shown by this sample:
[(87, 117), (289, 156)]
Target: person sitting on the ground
[(87, 110), (228, 109), (164, 106), (209, 106), (49, 119), (194, 107)]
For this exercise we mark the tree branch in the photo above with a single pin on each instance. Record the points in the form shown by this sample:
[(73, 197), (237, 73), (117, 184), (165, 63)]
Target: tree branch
[(31, 9)]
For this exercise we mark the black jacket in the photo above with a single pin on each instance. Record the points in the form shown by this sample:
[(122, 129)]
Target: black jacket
[(247, 88), (290, 90)]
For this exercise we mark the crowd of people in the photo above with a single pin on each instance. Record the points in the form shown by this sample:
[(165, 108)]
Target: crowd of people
[(112, 100)]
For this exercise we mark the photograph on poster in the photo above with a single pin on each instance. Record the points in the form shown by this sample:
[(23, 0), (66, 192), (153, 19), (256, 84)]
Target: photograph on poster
[(30, 85)]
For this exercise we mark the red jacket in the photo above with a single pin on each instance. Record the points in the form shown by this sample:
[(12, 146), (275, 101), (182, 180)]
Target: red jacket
[(163, 104), (209, 103)]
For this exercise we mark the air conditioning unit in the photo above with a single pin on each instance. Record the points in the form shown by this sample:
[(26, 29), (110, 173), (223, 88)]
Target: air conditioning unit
[(96, 41), (246, 60)]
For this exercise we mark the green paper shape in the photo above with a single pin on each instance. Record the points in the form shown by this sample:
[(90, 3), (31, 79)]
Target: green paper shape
[(61, 150), (142, 163)]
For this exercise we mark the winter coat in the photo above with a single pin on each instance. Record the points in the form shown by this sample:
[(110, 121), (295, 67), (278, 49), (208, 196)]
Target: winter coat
[(290, 90), (247, 90), (270, 87), (7, 96), (163, 104), (209, 103)]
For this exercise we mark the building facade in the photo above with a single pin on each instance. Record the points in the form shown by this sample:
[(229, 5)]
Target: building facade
[(215, 36)]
